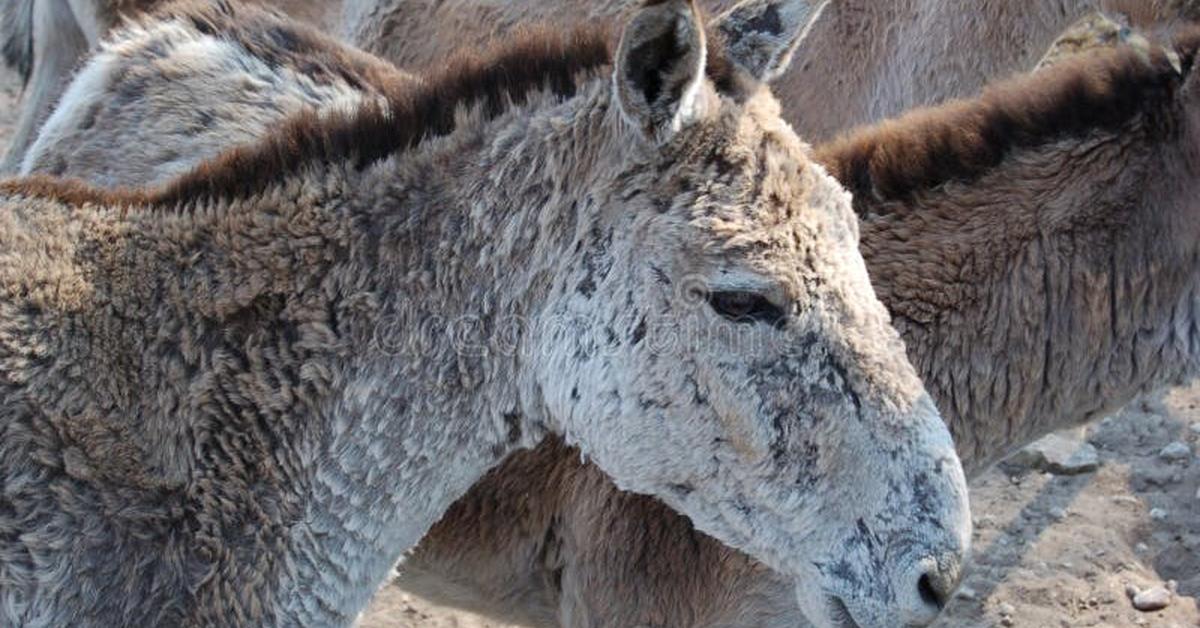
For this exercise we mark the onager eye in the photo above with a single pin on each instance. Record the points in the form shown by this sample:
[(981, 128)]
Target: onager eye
[(746, 307)]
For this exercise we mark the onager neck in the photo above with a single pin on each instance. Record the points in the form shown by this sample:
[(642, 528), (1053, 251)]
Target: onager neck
[(459, 313)]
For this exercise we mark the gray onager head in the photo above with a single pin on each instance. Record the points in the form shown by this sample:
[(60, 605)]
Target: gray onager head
[(715, 340)]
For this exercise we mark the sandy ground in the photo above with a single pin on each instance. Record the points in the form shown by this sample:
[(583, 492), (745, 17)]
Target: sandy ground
[(1050, 551)]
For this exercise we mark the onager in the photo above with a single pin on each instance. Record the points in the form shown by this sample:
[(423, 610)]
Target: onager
[(341, 328), (547, 539)]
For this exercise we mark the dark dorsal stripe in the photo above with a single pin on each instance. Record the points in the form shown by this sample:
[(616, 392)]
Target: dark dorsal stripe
[(963, 140)]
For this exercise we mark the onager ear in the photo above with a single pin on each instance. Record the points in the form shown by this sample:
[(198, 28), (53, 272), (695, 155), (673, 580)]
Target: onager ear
[(660, 68), (761, 35)]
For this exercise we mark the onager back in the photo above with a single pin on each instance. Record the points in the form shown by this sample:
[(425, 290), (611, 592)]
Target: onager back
[(347, 324)]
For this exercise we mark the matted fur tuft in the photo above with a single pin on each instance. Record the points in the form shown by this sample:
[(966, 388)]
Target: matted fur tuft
[(962, 140), (16, 36)]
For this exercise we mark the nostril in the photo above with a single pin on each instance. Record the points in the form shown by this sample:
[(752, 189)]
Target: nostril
[(930, 594), (938, 580)]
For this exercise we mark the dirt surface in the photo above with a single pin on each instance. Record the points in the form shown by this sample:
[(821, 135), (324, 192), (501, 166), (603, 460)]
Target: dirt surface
[(1050, 551), (1054, 551)]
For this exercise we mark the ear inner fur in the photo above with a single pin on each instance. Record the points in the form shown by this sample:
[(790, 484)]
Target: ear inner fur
[(660, 62)]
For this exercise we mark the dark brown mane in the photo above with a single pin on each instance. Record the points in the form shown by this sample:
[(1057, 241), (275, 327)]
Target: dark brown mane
[(963, 140)]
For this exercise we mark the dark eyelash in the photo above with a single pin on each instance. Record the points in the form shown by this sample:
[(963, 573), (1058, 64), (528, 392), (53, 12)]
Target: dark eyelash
[(746, 307)]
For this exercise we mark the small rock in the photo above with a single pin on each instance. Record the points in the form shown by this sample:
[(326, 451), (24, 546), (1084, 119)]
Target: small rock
[(1158, 514), (1153, 476), (1128, 500), (1141, 548), (966, 593), (1058, 514), (1176, 452), (1007, 621), (1059, 455), (1006, 609), (1152, 599), (1196, 429)]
